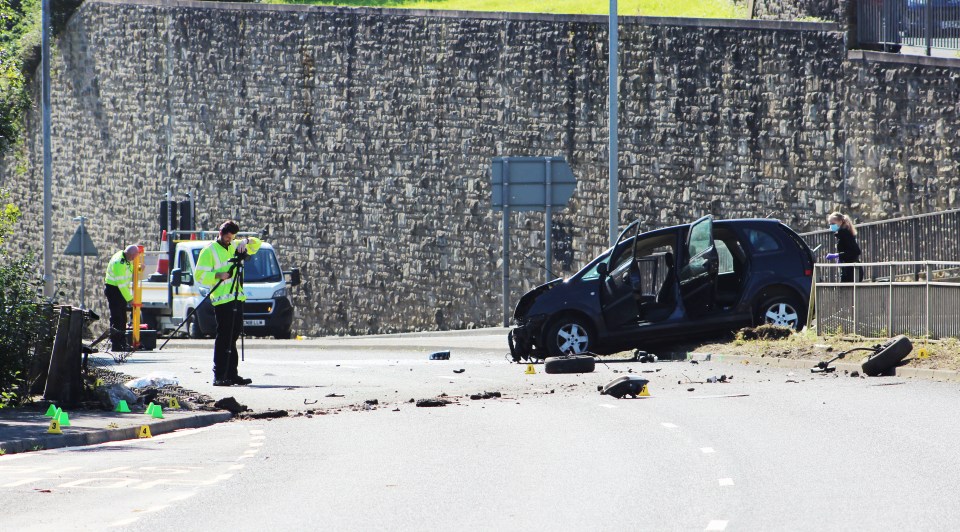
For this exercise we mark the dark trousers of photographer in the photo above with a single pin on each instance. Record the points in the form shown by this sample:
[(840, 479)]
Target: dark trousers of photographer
[(229, 326)]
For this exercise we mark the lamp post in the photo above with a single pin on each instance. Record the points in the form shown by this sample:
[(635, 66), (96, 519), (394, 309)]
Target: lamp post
[(613, 104), (47, 153)]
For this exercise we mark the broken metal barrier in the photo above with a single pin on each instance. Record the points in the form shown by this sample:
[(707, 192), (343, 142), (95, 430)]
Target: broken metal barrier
[(60, 356)]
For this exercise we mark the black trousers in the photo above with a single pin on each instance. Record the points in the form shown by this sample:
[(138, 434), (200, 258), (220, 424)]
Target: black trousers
[(118, 316), (229, 326), (847, 273)]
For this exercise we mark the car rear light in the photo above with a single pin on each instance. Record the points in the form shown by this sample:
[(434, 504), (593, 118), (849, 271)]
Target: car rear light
[(807, 273)]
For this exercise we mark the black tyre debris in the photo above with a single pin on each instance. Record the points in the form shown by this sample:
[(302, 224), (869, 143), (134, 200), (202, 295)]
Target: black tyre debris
[(570, 364), (888, 357), (627, 385)]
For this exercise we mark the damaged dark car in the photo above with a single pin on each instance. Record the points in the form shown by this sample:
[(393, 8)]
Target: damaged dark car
[(699, 279)]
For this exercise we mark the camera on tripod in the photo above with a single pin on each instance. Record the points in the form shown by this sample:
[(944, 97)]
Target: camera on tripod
[(239, 257)]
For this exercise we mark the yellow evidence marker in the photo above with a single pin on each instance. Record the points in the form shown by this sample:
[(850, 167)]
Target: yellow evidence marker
[(644, 392), (144, 432), (530, 370), (54, 427), (922, 353)]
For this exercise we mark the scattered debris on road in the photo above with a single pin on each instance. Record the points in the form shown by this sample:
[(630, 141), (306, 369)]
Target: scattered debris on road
[(440, 355), (333, 395), (486, 395), (372, 402), (269, 414), (310, 402), (626, 385), (432, 402), (461, 370), (231, 405)]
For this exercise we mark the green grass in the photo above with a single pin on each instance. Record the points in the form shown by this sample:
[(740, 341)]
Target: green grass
[(655, 8)]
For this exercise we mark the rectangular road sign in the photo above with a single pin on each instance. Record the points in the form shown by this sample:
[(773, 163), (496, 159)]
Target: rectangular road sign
[(526, 183)]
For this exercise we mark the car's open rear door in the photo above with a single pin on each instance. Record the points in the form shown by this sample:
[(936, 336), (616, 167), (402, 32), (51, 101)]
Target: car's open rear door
[(698, 275)]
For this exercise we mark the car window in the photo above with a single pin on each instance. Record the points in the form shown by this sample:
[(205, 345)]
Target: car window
[(726, 258), (762, 241), (699, 239)]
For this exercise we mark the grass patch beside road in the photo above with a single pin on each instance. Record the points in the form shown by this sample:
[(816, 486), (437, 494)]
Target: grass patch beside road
[(944, 354), (653, 8)]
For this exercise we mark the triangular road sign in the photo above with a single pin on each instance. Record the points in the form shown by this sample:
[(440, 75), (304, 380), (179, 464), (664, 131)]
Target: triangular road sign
[(81, 235)]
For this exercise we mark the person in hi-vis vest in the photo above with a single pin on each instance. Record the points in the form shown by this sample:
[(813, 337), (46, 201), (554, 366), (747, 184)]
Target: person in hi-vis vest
[(213, 266), (118, 289)]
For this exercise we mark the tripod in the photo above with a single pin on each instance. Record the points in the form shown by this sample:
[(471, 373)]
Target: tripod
[(236, 277)]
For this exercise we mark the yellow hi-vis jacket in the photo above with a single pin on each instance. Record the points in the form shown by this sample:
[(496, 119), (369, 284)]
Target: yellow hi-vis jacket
[(120, 274), (215, 259)]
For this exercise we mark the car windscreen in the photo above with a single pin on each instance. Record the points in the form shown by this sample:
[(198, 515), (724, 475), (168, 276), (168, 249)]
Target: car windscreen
[(261, 267)]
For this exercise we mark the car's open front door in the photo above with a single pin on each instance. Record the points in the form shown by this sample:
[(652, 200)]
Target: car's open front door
[(698, 275), (618, 292)]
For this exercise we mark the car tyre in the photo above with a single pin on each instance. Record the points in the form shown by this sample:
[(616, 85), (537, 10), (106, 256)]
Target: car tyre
[(283, 335), (193, 328), (888, 357), (784, 311), (570, 364), (569, 335)]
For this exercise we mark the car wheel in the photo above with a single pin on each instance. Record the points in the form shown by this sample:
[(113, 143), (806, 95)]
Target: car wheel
[(783, 311), (570, 364), (283, 335), (888, 357), (193, 328), (569, 335)]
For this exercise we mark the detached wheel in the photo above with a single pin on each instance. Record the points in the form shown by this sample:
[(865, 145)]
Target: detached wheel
[(888, 357), (783, 311), (569, 335), (570, 364)]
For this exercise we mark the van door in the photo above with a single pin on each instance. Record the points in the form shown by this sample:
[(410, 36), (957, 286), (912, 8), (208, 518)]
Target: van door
[(698, 275), (618, 287)]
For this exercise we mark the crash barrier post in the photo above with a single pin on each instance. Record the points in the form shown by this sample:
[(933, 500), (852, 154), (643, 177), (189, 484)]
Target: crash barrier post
[(891, 299), (64, 381)]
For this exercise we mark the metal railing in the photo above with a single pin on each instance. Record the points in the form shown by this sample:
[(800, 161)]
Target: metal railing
[(925, 24), (932, 236), (895, 299)]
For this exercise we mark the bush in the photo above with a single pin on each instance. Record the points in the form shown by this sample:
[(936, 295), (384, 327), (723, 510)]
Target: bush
[(21, 312), (21, 321)]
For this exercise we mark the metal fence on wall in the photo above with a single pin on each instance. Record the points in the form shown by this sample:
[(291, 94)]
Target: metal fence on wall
[(896, 301), (926, 24), (934, 236)]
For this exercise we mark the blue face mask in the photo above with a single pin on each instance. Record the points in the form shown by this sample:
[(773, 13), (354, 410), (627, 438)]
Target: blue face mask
[(834, 227)]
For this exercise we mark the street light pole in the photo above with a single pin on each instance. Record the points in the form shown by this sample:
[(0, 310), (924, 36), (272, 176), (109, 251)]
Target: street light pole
[(47, 153), (613, 104)]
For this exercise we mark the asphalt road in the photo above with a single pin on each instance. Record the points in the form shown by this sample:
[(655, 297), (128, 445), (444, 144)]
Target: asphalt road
[(770, 450)]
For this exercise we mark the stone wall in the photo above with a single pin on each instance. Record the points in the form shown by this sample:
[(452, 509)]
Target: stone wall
[(829, 10), (360, 140)]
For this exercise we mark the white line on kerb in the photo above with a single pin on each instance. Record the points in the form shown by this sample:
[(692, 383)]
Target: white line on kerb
[(707, 450), (716, 525), (669, 425), (726, 482)]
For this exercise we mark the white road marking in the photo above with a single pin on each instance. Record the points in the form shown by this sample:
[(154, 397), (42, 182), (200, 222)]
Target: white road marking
[(111, 470), (707, 450), (234, 467), (251, 451), (716, 525), (261, 437), (608, 406), (256, 431), (22, 482), (669, 425), (156, 508), (114, 483), (726, 482), (256, 443)]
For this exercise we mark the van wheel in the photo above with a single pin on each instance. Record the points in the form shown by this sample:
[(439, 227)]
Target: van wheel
[(193, 328), (784, 311), (569, 335)]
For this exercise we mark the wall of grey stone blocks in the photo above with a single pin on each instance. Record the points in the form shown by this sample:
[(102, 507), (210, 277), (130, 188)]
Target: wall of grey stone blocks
[(360, 140)]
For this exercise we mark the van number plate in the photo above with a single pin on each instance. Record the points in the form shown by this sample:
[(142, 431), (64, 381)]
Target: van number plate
[(254, 323)]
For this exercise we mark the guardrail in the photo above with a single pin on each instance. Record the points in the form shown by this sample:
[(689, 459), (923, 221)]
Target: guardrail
[(916, 298), (925, 24)]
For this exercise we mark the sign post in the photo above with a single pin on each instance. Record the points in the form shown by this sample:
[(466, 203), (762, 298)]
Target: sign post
[(81, 245), (529, 184)]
